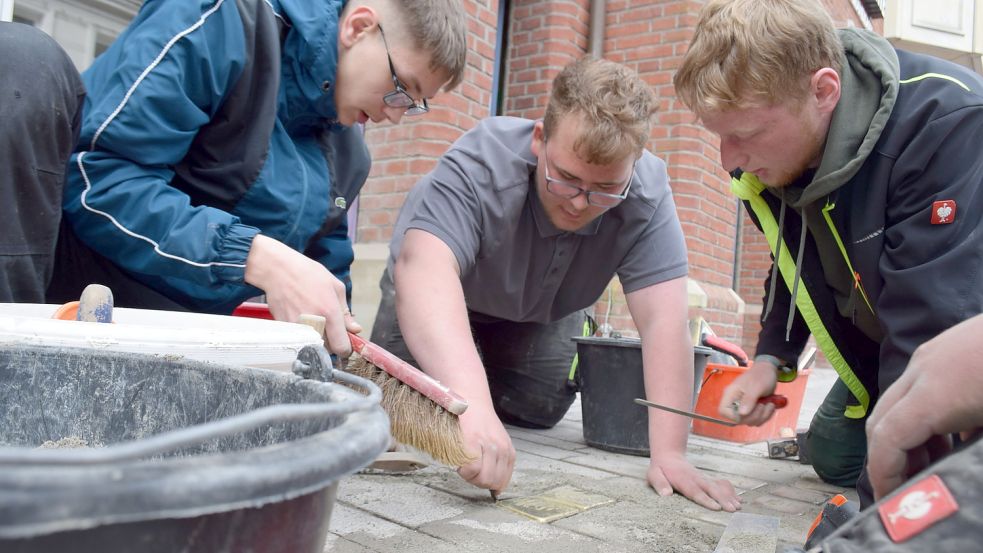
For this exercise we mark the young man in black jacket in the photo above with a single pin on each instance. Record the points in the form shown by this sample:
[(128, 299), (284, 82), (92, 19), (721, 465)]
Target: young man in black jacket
[(862, 166)]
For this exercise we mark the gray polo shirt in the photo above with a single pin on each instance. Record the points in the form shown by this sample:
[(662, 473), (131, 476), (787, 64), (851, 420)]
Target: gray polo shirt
[(481, 201)]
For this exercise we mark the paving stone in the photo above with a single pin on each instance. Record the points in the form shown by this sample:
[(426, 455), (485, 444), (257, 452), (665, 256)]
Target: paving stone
[(747, 533), (791, 530), (403, 502), (799, 494), (522, 445), (567, 431), (625, 465), (648, 526), (338, 544), (359, 529), (531, 466), (811, 481), (785, 506), (492, 529), (769, 470), (539, 437)]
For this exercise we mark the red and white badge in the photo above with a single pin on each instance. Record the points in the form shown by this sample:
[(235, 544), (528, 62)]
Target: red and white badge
[(943, 212), (920, 505)]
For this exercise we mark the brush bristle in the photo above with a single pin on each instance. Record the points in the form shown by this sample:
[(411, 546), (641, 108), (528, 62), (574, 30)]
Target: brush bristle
[(415, 419)]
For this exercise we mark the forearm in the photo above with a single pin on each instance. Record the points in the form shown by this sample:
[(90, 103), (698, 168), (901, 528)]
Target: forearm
[(433, 319), (659, 313)]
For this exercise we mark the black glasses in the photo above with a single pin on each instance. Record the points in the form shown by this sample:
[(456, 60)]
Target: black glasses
[(399, 98), (569, 191)]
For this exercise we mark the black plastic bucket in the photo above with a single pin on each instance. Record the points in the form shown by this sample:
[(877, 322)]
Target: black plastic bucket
[(187, 456), (610, 378)]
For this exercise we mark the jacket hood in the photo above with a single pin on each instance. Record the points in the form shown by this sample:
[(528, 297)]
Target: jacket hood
[(309, 61), (869, 89)]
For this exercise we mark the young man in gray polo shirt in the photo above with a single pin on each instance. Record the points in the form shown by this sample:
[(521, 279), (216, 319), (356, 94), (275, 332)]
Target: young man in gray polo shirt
[(520, 228)]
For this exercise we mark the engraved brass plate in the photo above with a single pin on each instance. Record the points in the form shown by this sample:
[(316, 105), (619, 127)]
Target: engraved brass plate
[(554, 504)]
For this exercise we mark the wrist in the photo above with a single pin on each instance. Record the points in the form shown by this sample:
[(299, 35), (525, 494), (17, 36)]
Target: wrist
[(784, 371)]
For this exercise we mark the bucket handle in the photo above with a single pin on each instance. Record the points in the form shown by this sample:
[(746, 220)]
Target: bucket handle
[(194, 435)]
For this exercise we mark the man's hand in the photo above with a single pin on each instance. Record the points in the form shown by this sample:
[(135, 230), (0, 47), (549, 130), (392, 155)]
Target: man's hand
[(674, 472), (940, 392), (296, 285), (487, 439), (757, 382)]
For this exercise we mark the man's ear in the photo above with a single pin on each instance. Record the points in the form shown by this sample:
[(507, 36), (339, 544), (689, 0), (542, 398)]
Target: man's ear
[(825, 87), (538, 138), (355, 24)]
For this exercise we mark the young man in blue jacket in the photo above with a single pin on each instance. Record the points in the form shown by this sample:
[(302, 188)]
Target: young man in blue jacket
[(862, 166), (218, 150)]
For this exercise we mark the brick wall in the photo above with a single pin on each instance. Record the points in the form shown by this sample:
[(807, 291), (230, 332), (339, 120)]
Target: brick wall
[(544, 35), (403, 153)]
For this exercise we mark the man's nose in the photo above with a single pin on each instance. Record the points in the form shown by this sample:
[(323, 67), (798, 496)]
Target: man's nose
[(394, 115), (731, 156), (580, 201)]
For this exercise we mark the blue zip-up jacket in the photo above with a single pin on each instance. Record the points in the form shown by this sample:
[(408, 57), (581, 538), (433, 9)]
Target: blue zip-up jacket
[(207, 122)]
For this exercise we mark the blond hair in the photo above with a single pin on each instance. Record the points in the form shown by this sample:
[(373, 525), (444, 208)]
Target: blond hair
[(755, 52), (438, 28), (615, 105)]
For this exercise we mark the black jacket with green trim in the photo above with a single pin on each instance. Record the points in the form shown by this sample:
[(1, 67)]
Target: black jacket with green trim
[(907, 134)]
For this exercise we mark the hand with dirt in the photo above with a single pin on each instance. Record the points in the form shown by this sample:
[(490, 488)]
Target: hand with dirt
[(673, 472), (940, 392), (295, 284), (488, 441), (757, 382)]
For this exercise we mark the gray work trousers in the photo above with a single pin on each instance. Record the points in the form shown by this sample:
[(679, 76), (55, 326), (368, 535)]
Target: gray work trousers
[(527, 364)]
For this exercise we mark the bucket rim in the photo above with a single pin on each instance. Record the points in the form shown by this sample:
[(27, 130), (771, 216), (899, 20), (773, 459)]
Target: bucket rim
[(39, 500)]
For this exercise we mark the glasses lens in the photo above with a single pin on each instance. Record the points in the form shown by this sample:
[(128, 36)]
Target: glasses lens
[(398, 99), (603, 201), (562, 189), (416, 110)]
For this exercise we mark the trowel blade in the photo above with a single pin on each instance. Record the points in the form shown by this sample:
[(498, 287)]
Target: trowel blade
[(685, 413)]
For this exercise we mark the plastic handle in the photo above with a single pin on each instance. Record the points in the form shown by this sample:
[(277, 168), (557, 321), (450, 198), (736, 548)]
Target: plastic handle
[(777, 400), (721, 345)]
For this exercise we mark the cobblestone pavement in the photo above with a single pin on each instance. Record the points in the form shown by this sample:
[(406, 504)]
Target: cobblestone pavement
[(433, 511)]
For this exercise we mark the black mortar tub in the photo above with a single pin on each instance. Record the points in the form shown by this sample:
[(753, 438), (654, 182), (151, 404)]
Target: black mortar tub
[(610, 378), (184, 456)]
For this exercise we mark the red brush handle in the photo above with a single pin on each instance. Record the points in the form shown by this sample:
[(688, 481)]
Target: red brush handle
[(394, 366), (409, 375), (777, 400)]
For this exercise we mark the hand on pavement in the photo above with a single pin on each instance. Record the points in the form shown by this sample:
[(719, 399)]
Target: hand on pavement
[(757, 382), (674, 472), (940, 392), (488, 441), (296, 285)]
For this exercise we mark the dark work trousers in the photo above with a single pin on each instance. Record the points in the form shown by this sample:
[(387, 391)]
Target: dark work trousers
[(40, 112), (41, 259), (837, 445), (527, 364)]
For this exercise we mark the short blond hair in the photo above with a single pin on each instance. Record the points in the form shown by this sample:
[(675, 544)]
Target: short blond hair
[(439, 28), (615, 105), (756, 52)]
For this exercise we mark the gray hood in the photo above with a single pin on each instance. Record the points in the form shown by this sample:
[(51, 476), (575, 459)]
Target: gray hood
[(869, 88)]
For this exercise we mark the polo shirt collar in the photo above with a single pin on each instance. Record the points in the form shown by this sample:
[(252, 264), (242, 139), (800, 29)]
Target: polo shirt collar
[(546, 227)]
